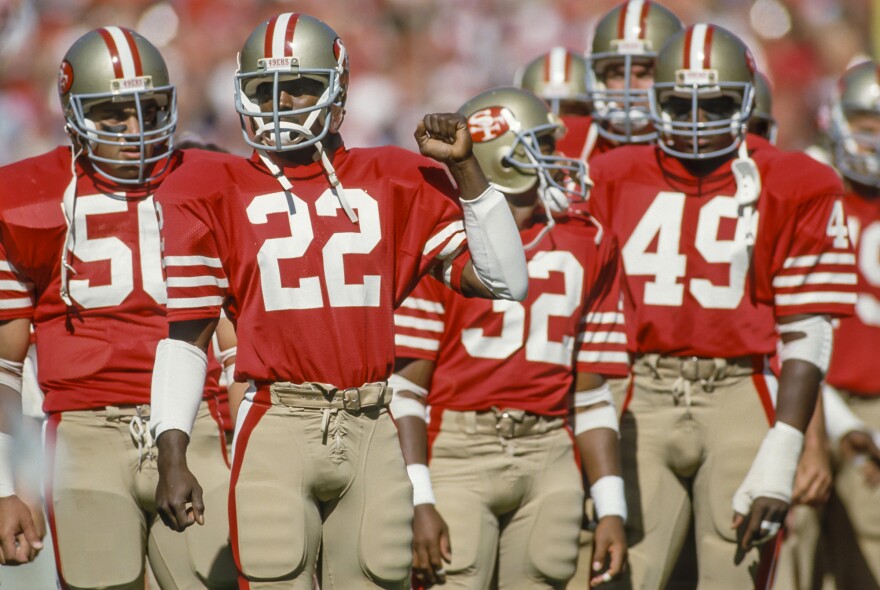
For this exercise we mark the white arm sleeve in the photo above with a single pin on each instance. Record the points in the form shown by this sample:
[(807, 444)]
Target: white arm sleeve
[(178, 386), (495, 245)]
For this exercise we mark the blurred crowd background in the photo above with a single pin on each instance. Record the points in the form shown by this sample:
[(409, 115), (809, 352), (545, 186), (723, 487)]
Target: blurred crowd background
[(408, 57)]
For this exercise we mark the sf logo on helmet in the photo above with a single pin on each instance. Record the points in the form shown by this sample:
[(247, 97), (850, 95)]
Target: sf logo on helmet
[(65, 77), (489, 123)]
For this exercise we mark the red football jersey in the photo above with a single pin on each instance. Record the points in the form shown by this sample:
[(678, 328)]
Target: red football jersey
[(100, 351), (508, 354), (581, 139), (690, 285), (313, 293), (857, 339)]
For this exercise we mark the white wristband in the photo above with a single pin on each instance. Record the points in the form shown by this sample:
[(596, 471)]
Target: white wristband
[(773, 469), (495, 245), (7, 470), (609, 497), (420, 477), (178, 386)]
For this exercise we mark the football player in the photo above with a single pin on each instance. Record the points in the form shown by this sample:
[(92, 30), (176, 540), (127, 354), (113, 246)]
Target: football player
[(762, 122), (80, 260), (560, 77), (852, 392), (313, 245), (724, 240), (620, 71), (497, 377)]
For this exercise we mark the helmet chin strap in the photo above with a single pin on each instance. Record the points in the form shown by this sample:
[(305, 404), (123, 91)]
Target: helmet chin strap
[(68, 208), (335, 185), (748, 189)]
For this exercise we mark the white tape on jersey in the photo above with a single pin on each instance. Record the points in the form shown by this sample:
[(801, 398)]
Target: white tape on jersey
[(773, 469), (420, 476), (814, 347), (609, 497), (495, 245), (178, 386)]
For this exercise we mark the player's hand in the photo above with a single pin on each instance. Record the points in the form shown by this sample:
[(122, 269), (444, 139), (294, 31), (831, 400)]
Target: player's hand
[(609, 551), (812, 482), (178, 494), (445, 138), (761, 524), (859, 447), (431, 545), (20, 541)]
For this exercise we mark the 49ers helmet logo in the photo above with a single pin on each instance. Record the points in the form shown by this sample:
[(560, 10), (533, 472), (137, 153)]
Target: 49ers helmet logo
[(489, 123), (65, 77)]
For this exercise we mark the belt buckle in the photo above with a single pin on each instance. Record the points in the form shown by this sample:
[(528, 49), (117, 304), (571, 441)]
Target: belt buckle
[(351, 399), (505, 425), (690, 368)]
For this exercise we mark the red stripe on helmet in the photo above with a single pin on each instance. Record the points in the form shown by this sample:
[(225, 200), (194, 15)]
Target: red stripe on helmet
[(547, 62), (135, 54), (114, 51), (707, 48), (643, 20), (567, 66), (621, 20), (686, 63), (270, 32), (288, 35)]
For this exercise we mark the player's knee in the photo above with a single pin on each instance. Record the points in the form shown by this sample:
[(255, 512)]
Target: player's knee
[(385, 543), (271, 532), (553, 544)]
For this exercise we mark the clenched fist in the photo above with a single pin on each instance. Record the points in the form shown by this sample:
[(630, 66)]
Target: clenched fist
[(444, 137)]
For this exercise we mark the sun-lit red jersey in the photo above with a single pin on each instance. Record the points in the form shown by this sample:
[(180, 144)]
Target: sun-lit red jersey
[(99, 352), (690, 286), (581, 140), (313, 292), (857, 339), (508, 354)]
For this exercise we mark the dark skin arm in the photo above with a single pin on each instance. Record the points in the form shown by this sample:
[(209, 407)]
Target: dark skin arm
[(796, 399), (431, 546), (444, 137), (812, 484), (177, 485), (600, 457), (20, 542)]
